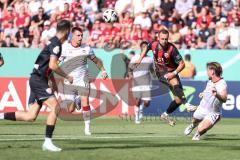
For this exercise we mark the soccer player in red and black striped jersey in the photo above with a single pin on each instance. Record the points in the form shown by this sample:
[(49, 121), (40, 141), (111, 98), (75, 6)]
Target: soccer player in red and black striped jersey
[(46, 62), (168, 63)]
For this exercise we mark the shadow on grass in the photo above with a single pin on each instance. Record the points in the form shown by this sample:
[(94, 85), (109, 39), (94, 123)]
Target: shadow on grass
[(222, 137), (117, 133)]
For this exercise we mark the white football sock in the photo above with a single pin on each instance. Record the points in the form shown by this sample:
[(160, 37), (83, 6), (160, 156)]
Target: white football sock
[(1, 115), (87, 119), (165, 113), (48, 140), (136, 111), (141, 111)]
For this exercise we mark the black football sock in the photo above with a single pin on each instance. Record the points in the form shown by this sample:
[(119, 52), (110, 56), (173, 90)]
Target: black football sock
[(10, 116), (49, 131), (172, 107)]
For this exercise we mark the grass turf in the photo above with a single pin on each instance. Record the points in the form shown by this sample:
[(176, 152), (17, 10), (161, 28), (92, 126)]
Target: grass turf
[(117, 139)]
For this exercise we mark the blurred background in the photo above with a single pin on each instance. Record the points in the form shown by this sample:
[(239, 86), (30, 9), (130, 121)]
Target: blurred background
[(202, 30)]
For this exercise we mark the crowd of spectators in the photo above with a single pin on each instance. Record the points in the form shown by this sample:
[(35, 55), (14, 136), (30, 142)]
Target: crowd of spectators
[(193, 24)]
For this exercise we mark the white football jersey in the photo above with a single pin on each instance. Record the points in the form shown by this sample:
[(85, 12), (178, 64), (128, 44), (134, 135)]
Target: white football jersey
[(210, 102), (143, 68), (74, 60)]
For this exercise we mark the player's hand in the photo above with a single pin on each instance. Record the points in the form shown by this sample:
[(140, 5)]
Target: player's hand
[(70, 79), (130, 77), (214, 91), (137, 62), (104, 75), (200, 95), (169, 76)]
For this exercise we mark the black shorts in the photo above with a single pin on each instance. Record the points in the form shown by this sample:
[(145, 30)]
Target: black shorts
[(163, 80), (40, 91)]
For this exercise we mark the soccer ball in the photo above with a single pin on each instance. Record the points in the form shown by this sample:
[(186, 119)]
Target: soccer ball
[(110, 16)]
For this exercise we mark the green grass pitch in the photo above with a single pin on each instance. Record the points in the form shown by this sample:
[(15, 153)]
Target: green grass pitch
[(117, 139)]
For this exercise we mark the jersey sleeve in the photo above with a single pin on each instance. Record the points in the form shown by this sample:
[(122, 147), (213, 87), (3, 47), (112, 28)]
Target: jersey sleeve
[(91, 53), (64, 53), (149, 46), (222, 86), (176, 56), (55, 49)]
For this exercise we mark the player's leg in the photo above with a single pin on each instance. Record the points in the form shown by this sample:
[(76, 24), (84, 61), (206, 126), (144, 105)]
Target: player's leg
[(145, 102), (69, 102), (198, 116), (44, 94), (179, 97), (188, 130), (86, 111), (28, 116), (137, 110), (84, 92), (208, 122), (52, 103)]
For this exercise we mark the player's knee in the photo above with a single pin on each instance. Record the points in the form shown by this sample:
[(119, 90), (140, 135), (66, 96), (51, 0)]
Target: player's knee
[(31, 117), (55, 110), (201, 128), (178, 100), (71, 109), (178, 92)]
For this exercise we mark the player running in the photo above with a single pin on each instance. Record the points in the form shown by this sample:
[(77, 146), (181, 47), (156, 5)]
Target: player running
[(168, 63), (141, 83), (46, 62), (215, 94), (75, 55)]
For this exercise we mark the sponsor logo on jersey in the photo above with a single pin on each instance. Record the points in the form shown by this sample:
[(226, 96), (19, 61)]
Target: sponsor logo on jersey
[(166, 55), (49, 90), (56, 50)]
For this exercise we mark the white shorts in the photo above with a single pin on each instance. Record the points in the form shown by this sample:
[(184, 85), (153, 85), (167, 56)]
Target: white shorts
[(142, 92), (202, 114), (70, 91)]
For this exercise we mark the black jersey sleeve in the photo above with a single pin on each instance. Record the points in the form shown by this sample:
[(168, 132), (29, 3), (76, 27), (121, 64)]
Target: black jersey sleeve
[(176, 56), (55, 49), (149, 46)]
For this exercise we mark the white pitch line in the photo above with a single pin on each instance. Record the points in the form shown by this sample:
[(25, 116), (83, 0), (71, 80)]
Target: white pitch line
[(65, 137)]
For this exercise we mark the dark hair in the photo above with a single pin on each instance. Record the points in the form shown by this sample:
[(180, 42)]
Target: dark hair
[(77, 29), (216, 67), (188, 57), (163, 31), (143, 42), (63, 25), (40, 8), (132, 52)]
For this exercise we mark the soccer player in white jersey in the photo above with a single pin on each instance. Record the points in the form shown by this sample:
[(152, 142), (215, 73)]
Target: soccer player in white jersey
[(208, 113), (74, 60), (141, 83)]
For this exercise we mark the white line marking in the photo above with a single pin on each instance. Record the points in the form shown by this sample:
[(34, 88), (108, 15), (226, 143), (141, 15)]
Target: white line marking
[(67, 137)]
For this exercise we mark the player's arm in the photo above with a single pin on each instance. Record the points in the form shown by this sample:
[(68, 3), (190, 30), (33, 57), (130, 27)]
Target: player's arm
[(143, 54), (177, 59), (221, 96), (55, 53), (152, 70), (131, 67), (98, 63), (52, 83), (53, 65), (180, 67), (100, 66)]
